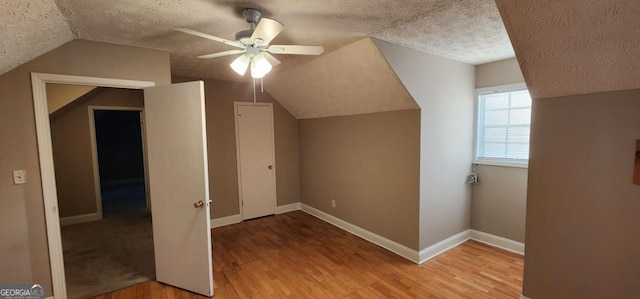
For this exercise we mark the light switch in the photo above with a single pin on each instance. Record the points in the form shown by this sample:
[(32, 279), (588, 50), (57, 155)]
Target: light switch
[(19, 177)]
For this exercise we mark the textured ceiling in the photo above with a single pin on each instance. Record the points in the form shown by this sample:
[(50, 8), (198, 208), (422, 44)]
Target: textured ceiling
[(354, 79), (29, 29), (465, 30), (575, 47)]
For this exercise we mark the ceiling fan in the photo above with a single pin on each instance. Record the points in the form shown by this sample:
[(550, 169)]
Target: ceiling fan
[(254, 45)]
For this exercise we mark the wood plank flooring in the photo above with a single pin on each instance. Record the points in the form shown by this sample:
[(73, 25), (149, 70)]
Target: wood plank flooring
[(295, 255)]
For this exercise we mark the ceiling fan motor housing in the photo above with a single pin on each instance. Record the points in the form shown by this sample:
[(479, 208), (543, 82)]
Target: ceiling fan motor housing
[(252, 15), (253, 44), (244, 36)]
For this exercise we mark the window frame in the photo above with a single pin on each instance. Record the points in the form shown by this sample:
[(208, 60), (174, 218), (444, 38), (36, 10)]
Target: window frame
[(476, 127)]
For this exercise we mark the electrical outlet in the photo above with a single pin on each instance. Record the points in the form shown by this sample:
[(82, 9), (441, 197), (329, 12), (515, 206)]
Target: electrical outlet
[(333, 203), (19, 177)]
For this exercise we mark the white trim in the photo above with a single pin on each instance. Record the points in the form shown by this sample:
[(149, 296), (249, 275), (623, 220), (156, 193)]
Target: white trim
[(91, 81), (79, 219), (501, 163), (500, 88), (116, 108), (238, 160), (399, 249), (442, 246), (238, 166), (45, 153), (237, 218), (497, 241), (288, 208), (383, 242), (228, 220), (489, 90), (524, 297)]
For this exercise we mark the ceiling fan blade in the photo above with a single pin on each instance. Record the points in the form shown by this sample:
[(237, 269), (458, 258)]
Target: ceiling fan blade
[(294, 49), (266, 31), (274, 61), (211, 37), (220, 54)]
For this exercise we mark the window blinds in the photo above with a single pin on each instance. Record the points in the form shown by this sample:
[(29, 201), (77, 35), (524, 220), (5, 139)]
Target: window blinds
[(504, 121)]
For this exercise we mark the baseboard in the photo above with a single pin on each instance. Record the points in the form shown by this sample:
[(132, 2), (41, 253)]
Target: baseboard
[(233, 219), (383, 242), (397, 248), (442, 246), (524, 297), (79, 219), (497, 241), (288, 208), (228, 220)]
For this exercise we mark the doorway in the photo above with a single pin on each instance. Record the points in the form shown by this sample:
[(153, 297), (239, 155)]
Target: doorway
[(99, 165), (119, 157), (176, 133), (255, 148)]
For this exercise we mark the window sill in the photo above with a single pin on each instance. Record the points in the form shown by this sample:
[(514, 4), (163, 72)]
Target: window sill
[(502, 163)]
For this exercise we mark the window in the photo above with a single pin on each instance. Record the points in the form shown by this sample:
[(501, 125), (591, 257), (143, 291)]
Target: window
[(503, 126)]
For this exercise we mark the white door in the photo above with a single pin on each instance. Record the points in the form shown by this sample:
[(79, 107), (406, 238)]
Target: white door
[(256, 159), (179, 185)]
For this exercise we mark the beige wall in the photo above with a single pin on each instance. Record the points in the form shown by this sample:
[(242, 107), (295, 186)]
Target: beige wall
[(71, 142), (368, 164), (443, 89), (59, 95), (497, 73), (223, 172), (23, 245), (582, 207), (498, 204)]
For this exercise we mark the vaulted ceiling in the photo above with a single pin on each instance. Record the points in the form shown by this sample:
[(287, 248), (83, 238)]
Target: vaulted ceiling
[(575, 47), (469, 31)]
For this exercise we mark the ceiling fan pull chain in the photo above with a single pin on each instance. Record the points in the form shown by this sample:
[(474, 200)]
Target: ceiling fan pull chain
[(262, 85), (254, 90)]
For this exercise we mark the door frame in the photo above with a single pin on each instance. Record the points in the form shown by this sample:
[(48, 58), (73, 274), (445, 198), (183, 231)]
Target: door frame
[(238, 163), (94, 152), (45, 154)]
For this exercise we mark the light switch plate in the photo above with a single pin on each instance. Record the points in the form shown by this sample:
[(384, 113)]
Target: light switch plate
[(19, 177)]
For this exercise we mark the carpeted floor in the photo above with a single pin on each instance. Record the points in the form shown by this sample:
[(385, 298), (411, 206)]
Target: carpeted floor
[(107, 255)]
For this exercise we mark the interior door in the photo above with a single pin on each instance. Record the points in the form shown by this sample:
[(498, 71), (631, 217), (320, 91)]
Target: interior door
[(179, 185), (256, 159)]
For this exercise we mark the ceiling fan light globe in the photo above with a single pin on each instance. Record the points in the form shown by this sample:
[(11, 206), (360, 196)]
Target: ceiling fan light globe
[(240, 64), (260, 66)]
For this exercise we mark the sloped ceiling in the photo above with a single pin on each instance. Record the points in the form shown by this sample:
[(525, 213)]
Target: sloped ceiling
[(60, 95), (464, 30), (575, 47), (355, 79), (29, 29)]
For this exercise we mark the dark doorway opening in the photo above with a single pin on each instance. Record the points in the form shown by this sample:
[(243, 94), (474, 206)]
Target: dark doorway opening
[(120, 149)]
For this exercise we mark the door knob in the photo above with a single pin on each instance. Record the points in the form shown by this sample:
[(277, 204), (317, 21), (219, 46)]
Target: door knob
[(270, 166), (198, 204)]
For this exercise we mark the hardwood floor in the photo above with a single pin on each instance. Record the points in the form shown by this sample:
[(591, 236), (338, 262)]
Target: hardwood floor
[(295, 255)]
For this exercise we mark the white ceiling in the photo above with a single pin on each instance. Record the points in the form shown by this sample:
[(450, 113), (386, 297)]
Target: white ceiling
[(469, 31)]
